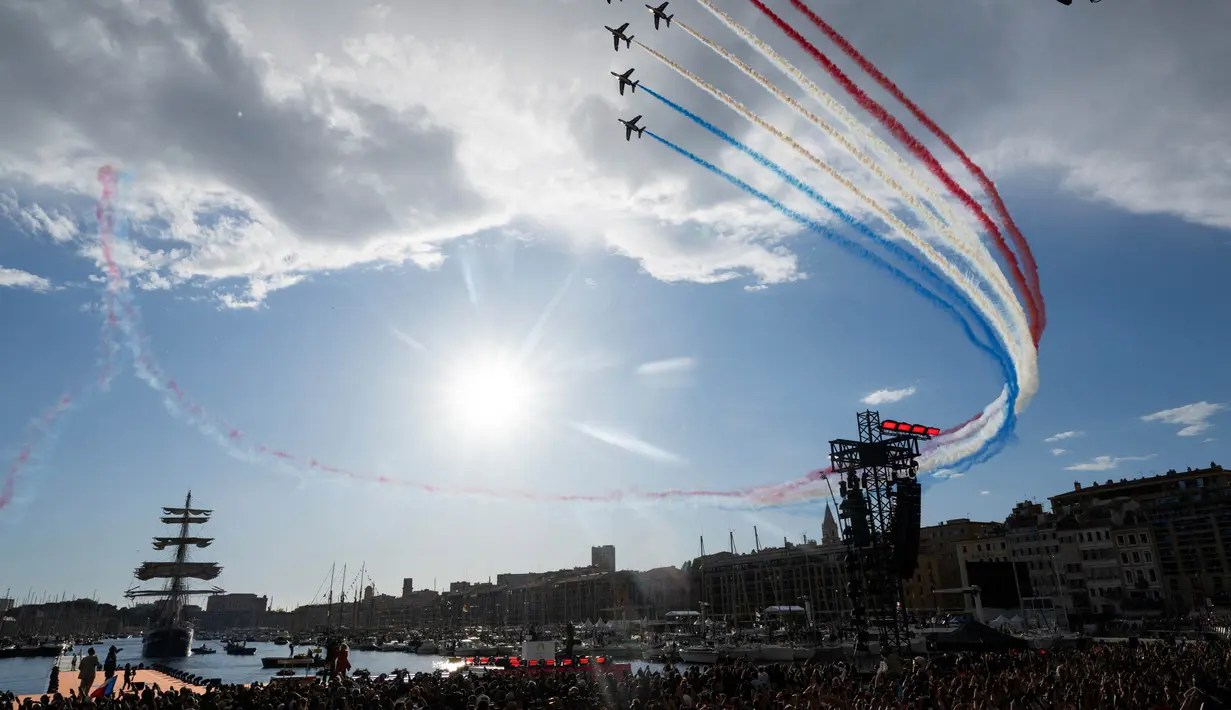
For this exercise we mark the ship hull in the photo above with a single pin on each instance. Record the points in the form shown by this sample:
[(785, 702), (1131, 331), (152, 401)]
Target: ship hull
[(172, 642)]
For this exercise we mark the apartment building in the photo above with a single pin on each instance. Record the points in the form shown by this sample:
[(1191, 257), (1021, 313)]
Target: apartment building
[(1188, 516), (939, 567)]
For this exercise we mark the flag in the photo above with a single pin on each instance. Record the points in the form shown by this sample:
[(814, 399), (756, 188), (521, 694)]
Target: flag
[(104, 690)]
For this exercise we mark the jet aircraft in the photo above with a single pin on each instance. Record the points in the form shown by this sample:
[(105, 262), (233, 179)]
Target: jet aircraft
[(618, 34), (630, 126), (609, 1), (660, 13), (625, 81)]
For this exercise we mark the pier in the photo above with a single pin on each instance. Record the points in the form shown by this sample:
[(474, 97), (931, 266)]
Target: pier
[(143, 678)]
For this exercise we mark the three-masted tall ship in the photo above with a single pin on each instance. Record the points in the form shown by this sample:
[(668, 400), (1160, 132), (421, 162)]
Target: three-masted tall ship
[(169, 635)]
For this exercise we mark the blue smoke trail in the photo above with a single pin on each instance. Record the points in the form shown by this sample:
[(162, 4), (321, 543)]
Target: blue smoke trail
[(950, 292), (994, 444)]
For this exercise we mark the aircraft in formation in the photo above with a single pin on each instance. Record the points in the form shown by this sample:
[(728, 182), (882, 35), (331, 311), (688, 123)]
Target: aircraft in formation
[(617, 34), (609, 1), (630, 126), (660, 13), (625, 81)]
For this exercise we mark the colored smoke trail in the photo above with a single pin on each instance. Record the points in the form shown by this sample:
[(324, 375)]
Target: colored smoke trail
[(1028, 365), (1000, 422), (234, 441), (1014, 345), (996, 353), (973, 450), (989, 188), (42, 433), (979, 258), (921, 152)]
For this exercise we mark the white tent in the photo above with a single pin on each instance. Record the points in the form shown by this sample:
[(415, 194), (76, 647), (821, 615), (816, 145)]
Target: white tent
[(998, 622)]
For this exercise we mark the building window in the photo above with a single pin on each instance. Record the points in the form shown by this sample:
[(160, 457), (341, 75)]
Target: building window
[(1144, 540), (1119, 539), (1136, 557), (1153, 577), (1132, 539), (1124, 557)]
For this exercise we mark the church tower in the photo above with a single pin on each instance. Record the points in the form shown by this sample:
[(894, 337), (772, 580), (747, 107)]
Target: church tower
[(829, 529)]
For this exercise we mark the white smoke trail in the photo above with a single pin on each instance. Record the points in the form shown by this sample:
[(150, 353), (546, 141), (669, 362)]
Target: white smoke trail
[(966, 284), (1028, 364)]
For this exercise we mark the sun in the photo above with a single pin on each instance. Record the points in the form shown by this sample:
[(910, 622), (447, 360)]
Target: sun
[(491, 396)]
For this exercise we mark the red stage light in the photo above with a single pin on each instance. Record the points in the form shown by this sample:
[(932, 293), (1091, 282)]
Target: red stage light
[(917, 429)]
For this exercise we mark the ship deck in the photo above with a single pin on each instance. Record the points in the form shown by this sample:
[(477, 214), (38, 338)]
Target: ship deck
[(68, 682)]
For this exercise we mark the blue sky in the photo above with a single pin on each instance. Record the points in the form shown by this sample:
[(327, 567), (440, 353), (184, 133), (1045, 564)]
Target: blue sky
[(308, 358)]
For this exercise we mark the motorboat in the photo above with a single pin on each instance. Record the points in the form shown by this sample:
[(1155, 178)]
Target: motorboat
[(699, 654)]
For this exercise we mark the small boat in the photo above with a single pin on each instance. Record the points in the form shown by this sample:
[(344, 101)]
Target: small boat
[(281, 641), (699, 654), (238, 649), (203, 650), (293, 662)]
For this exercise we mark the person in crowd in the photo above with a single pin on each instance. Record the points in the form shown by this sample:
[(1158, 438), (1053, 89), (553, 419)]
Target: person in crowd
[(1147, 676), (110, 663), (86, 671)]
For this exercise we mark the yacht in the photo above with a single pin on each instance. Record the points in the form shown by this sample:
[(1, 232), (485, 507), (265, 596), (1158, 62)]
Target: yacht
[(428, 648), (699, 654)]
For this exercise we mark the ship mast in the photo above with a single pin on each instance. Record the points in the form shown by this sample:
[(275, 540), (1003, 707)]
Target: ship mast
[(179, 569)]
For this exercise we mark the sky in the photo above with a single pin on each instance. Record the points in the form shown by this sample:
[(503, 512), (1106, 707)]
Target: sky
[(411, 243)]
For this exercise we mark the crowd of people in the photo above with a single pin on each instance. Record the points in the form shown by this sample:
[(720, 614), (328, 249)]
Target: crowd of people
[(1157, 676)]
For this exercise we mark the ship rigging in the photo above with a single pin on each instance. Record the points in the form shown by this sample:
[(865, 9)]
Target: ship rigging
[(169, 635)]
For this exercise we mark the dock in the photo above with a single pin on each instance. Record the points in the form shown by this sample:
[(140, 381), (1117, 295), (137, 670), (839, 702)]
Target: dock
[(69, 682)]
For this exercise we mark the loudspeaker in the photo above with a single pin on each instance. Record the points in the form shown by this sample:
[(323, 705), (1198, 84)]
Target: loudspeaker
[(855, 509), (906, 514)]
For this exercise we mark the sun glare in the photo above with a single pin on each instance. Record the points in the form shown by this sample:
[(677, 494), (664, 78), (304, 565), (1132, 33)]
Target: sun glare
[(491, 397)]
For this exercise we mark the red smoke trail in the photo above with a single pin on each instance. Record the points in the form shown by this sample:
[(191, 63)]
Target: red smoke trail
[(921, 152), (42, 429), (235, 441), (1019, 241)]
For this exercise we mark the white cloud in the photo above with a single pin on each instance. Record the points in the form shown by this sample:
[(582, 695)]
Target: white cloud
[(16, 278), (946, 474), (1191, 417), (628, 442), (985, 493), (665, 367), (1106, 463), (35, 219), (1064, 435), (888, 396), (1206, 441), (358, 133), (1057, 452)]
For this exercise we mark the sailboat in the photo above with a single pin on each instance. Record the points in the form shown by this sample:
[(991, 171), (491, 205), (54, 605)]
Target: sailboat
[(169, 635)]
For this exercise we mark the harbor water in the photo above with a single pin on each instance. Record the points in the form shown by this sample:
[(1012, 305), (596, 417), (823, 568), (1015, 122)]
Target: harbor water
[(30, 675)]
